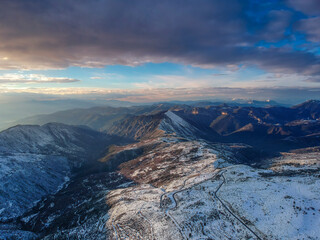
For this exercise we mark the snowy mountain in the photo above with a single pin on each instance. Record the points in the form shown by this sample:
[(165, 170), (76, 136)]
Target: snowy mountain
[(192, 190), (174, 124), (258, 126), (155, 125), (25, 178), (165, 172), (51, 138), (38, 160), (98, 118)]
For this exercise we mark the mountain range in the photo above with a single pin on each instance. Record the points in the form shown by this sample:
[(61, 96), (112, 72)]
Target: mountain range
[(137, 172), (290, 127)]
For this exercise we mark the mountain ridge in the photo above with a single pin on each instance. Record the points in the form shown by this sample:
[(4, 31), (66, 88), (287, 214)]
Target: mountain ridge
[(38, 160)]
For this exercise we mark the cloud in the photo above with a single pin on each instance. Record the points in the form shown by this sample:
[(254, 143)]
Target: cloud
[(108, 76), (310, 27), (284, 94), (42, 34), (310, 7), (313, 79), (176, 81), (33, 78)]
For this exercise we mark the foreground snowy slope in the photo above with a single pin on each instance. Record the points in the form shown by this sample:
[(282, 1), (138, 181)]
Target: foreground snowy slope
[(25, 178), (77, 211), (282, 205), (195, 190), (37, 160)]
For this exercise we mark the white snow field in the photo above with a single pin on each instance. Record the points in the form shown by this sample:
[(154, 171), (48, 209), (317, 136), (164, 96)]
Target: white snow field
[(228, 202)]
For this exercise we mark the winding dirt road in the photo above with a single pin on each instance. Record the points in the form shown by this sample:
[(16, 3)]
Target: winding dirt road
[(224, 205)]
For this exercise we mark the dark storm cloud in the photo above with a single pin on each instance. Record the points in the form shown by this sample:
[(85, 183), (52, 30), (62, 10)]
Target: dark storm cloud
[(58, 34)]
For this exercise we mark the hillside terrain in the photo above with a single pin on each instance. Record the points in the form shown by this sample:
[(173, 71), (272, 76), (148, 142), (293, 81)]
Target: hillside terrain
[(37, 161), (165, 172), (206, 196)]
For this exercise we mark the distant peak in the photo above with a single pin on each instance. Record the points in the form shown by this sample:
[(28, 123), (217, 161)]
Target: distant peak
[(308, 103), (313, 101)]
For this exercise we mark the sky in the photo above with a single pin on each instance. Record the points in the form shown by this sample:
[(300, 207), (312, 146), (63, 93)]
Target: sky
[(151, 50)]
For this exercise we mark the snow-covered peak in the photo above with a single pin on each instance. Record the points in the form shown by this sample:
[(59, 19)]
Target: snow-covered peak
[(176, 119), (174, 124)]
